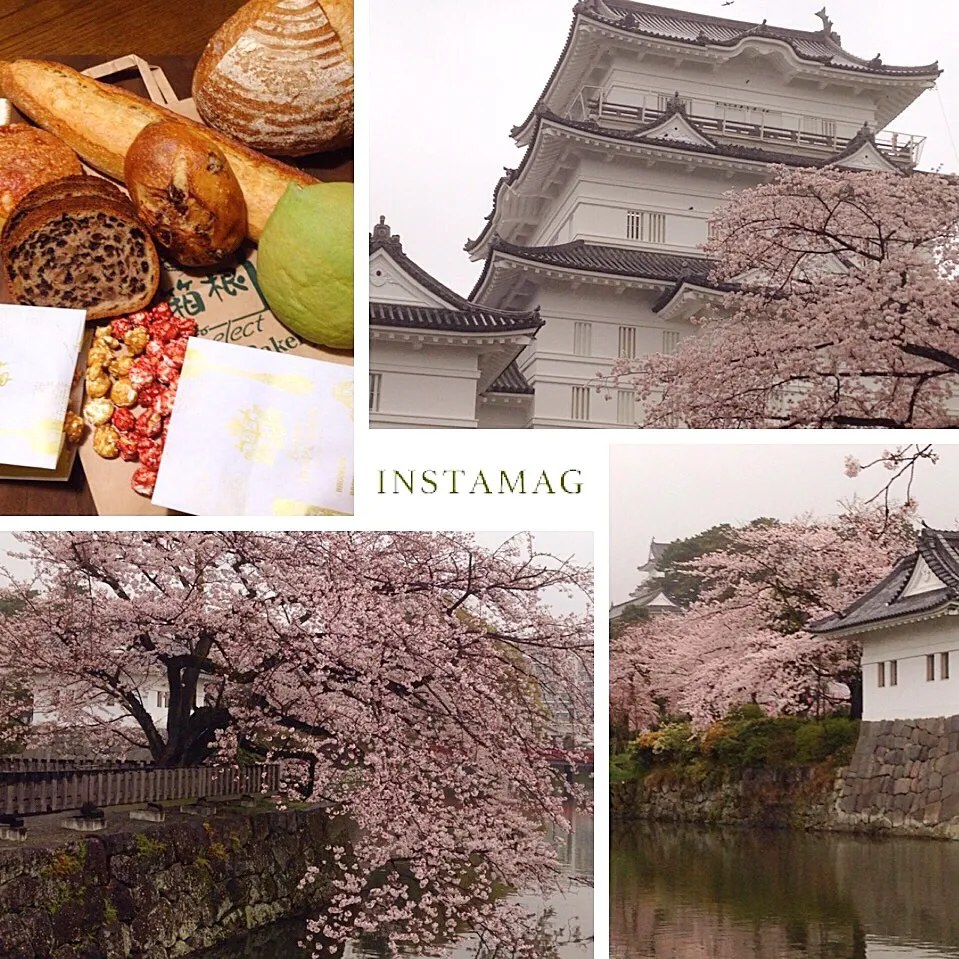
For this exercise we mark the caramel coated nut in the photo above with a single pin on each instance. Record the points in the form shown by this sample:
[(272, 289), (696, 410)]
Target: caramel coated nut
[(98, 382), (73, 427), (120, 366), (123, 394), (98, 356), (105, 442), (137, 339), (97, 412)]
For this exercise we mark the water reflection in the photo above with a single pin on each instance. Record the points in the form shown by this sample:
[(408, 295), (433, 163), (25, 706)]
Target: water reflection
[(681, 892), (573, 908)]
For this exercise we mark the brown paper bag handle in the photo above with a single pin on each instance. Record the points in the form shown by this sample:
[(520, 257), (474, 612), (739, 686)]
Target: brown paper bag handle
[(154, 79)]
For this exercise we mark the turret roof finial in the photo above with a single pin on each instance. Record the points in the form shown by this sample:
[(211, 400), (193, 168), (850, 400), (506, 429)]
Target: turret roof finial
[(383, 234), (827, 26)]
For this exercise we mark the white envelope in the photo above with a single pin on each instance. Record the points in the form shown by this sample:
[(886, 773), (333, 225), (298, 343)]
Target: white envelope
[(254, 432), (39, 347)]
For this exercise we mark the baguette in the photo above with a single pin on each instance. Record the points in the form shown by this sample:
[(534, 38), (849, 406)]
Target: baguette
[(100, 122)]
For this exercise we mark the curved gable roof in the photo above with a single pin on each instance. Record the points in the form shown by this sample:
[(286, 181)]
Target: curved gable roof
[(459, 316)]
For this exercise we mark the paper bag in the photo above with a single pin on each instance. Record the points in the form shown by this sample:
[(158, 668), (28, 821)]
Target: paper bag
[(253, 433)]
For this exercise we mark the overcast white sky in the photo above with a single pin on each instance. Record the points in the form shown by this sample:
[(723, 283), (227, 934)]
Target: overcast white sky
[(449, 80), (672, 492)]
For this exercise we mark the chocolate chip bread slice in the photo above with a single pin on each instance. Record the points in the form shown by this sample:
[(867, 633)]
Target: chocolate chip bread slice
[(79, 245)]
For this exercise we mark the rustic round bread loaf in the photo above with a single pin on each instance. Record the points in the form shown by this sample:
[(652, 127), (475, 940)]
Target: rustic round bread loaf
[(186, 193), (30, 157), (278, 76), (77, 243)]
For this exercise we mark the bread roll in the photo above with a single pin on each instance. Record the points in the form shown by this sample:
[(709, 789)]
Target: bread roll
[(79, 246), (29, 158), (100, 122), (185, 193), (278, 76)]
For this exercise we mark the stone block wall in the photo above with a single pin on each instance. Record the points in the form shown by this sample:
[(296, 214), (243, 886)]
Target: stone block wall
[(904, 776), (164, 891)]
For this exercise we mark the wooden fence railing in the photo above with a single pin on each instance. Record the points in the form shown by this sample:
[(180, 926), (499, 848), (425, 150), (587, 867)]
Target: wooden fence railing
[(28, 764), (29, 792)]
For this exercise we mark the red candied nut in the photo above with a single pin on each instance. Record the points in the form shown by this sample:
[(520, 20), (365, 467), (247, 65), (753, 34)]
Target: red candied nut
[(149, 423), (143, 481), (123, 419)]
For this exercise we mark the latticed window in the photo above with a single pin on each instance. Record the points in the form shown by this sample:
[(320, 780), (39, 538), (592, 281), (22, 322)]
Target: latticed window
[(582, 339), (670, 341), (943, 665), (930, 668), (646, 227), (893, 672), (580, 403), (626, 407), (376, 386), (163, 699), (880, 674), (627, 341)]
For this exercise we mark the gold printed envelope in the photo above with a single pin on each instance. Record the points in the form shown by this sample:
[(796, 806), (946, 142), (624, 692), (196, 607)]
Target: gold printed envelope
[(39, 347), (256, 433)]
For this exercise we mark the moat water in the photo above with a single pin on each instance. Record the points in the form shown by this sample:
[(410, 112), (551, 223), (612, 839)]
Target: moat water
[(681, 892), (572, 908)]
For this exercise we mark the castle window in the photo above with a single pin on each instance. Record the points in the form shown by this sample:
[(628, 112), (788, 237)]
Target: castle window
[(645, 227), (376, 387), (163, 699), (580, 403), (880, 674), (582, 339), (626, 407), (627, 341), (670, 341), (893, 672), (930, 668), (943, 665)]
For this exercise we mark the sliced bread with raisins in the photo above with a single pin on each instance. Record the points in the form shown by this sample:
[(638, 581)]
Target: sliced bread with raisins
[(77, 243)]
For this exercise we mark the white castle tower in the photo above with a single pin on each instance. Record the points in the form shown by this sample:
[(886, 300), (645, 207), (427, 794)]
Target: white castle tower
[(649, 117)]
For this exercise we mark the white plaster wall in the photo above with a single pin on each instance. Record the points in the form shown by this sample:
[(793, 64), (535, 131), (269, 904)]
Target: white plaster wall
[(751, 78), (44, 710), (430, 386), (504, 415), (592, 205), (913, 697), (553, 369)]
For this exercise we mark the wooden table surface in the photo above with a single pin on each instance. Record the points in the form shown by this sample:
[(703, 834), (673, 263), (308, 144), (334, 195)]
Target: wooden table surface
[(164, 32), (51, 28)]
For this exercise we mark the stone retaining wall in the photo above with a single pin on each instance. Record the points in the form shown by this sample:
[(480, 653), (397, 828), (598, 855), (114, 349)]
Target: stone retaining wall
[(903, 778), (161, 892)]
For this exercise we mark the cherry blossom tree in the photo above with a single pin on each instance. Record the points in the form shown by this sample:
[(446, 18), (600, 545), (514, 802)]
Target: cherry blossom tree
[(842, 310), (743, 639), (406, 679)]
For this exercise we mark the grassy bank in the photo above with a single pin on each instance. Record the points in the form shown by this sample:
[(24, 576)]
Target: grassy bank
[(745, 739)]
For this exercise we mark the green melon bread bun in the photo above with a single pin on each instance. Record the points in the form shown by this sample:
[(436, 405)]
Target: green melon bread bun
[(305, 263)]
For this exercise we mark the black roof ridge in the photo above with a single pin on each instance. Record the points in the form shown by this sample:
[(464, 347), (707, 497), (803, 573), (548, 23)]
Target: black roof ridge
[(754, 29), (444, 319), (897, 570), (502, 384), (731, 151)]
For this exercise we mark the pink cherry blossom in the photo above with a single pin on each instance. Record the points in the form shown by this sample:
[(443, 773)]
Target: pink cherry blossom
[(843, 310), (407, 680), (743, 640)]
